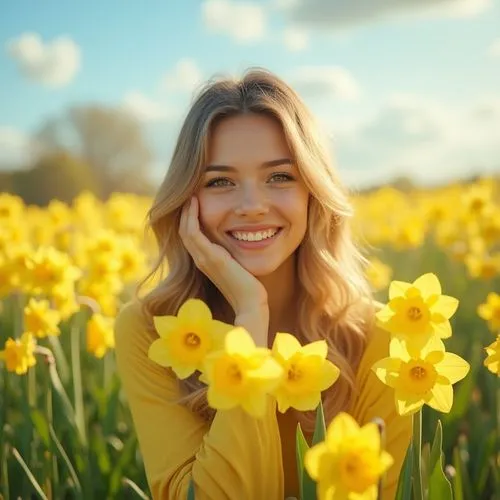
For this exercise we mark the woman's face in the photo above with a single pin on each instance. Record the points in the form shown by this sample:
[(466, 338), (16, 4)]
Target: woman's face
[(253, 201)]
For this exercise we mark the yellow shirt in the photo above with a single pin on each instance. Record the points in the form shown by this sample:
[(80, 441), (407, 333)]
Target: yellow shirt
[(236, 457)]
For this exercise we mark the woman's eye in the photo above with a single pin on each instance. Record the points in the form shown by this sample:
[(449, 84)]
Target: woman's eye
[(282, 177), (217, 182)]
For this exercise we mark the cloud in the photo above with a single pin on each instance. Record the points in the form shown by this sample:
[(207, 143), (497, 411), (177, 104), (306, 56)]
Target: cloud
[(184, 77), (329, 14), (494, 48), (17, 149), (325, 81), (421, 139), (244, 22), (54, 63), (295, 39), (144, 108)]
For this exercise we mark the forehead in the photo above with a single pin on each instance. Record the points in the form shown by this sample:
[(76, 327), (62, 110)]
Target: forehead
[(247, 137)]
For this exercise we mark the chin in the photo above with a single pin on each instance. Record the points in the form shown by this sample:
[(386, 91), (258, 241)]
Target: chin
[(259, 269)]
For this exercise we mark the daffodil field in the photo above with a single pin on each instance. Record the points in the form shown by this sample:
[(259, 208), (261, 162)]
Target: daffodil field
[(66, 431)]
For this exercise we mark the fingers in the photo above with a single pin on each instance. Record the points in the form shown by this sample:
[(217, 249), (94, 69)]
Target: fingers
[(196, 243)]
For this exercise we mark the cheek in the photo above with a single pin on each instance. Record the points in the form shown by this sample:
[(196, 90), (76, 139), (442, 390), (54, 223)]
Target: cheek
[(211, 213)]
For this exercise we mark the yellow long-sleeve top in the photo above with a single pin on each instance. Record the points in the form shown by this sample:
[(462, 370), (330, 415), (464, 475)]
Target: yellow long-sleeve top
[(235, 456)]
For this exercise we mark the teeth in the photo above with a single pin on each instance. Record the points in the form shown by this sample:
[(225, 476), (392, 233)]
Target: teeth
[(258, 236)]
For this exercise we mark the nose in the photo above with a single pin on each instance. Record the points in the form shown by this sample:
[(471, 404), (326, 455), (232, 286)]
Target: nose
[(253, 202)]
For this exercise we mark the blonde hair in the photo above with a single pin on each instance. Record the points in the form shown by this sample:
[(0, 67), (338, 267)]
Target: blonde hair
[(334, 298)]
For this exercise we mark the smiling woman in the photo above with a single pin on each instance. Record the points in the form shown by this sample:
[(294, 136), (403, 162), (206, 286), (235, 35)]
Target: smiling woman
[(252, 219)]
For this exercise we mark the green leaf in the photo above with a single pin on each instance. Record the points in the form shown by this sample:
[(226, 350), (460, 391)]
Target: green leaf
[(320, 427), (29, 474), (128, 482), (41, 425), (403, 491), (190, 495), (301, 447), (307, 484), (437, 446)]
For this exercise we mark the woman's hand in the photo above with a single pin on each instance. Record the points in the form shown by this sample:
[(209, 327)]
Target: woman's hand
[(244, 292)]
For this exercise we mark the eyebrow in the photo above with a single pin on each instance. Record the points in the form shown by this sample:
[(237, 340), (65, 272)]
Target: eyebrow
[(266, 164)]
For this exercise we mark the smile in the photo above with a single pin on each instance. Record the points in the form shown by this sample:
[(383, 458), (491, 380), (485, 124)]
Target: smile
[(257, 239)]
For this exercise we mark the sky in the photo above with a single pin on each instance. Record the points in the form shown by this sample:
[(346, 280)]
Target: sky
[(400, 87)]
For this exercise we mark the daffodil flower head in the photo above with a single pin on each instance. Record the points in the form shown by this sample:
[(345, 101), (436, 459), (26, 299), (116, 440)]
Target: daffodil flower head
[(349, 463), (186, 339), (18, 354), (492, 362), (421, 375), (307, 372), (417, 311), (241, 374), (490, 311)]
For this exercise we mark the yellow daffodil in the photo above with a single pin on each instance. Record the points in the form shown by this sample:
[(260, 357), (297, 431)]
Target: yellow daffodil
[(492, 362), (307, 372), (186, 339), (349, 463), (18, 354), (100, 335), (40, 319), (421, 375), (490, 311), (417, 310), (241, 374)]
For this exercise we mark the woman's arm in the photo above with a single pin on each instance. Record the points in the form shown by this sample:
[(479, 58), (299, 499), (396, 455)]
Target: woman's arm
[(237, 456)]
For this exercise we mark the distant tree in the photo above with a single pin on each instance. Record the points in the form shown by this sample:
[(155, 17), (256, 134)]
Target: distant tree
[(56, 176), (110, 141)]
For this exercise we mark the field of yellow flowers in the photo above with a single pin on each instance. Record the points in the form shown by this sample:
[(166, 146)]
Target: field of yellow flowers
[(65, 270)]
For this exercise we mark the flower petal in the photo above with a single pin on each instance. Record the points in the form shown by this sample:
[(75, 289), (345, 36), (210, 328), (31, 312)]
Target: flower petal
[(313, 459), (398, 289), (442, 397), (329, 375), (442, 329), (239, 341), (194, 310), (408, 403), (446, 306), (387, 370), (165, 325), (453, 367), (342, 426), (159, 353), (398, 350), (219, 401), (428, 284), (285, 345), (316, 348)]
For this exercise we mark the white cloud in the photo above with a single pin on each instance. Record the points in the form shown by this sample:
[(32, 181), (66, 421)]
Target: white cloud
[(144, 108), (245, 22), (319, 81), (184, 77), (494, 48), (52, 63), (423, 140), (330, 14), (17, 149), (295, 39)]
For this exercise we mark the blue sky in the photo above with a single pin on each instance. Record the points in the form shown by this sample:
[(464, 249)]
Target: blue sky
[(410, 91)]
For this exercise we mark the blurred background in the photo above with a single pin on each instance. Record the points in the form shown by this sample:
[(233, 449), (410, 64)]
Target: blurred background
[(93, 93)]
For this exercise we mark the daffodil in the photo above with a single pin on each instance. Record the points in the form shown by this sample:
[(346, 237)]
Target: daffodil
[(18, 354), (349, 463), (186, 339), (421, 375), (241, 374), (40, 319), (416, 311), (492, 362), (490, 311), (307, 372), (99, 335)]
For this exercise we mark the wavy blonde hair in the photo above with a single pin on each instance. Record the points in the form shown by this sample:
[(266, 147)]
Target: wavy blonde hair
[(334, 298)]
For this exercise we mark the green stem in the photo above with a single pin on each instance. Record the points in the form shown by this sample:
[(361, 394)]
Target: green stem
[(417, 456)]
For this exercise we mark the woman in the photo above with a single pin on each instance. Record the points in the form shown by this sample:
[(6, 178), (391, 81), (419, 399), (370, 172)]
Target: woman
[(251, 218)]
